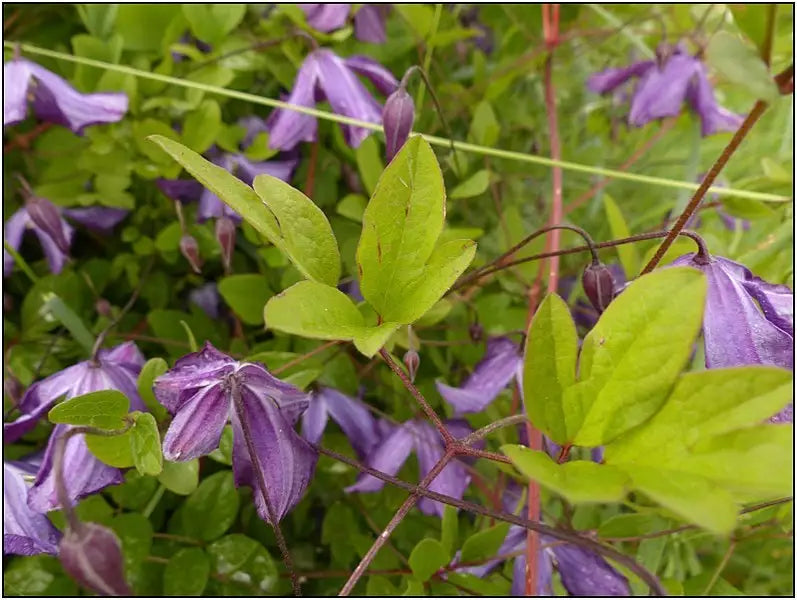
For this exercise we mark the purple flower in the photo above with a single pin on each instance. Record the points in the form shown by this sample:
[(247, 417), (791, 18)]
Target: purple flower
[(25, 531), (54, 100), (54, 233), (500, 364), (115, 369), (747, 321), (326, 17), (663, 87), (369, 23), (395, 447), (205, 389), (207, 298), (326, 76), (351, 415)]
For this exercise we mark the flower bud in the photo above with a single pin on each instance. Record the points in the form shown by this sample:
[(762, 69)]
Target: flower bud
[(45, 216), (412, 361), (598, 285), (397, 118), (13, 389), (103, 307), (190, 249), (476, 332), (225, 234), (92, 555)]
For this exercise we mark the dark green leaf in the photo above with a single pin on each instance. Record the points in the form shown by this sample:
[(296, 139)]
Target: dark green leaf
[(427, 557), (211, 509), (187, 573)]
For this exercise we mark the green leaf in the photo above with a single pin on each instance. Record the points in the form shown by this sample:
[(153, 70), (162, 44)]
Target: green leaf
[(741, 64), (192, 345), (105, 410), (187, 573), (55, 306), (369, 162), (180, 477), (427, 557), (223, 453), (629, 257), (202, 126), (146, 445), (211, 509), (631, 525), (549, 366), (473, 186), (484, 129), (135, 534), (115, 451), (484, 544), (577, 480), (371, 339), (403, 271), (40, 575), (246, 295), (211, 22), (648, 329), (98, 18), (143, 26), (239, 558), (305, 234), (153, 368), (752, 20), (449, 529), (352, 206)]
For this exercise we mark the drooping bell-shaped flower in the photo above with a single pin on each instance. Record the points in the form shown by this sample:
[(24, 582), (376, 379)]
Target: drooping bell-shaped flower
[(206, 389), (54, 99), (395, 447), (114, 369), (25, 531), (492, 374), (397, 119), (326, 76), (664, 85), (326, 17), (369, 23), (92, 555), (46, 220), (350, 414)]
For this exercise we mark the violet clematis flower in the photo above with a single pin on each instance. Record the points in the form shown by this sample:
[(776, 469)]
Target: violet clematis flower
[(747, 321), (116, 369), (204, 389), (369, 23), (207, 298), (324, 75), (326, 17), (501, 362), (54, 233), (54, 99), (395, 447), (25, 531), (351, 415), (663, 87)]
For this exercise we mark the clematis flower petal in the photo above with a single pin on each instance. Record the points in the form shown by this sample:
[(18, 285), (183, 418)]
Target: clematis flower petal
[(287, 462), (493, 373), (353, 418), (383, 80), (207, 298), (291, 401), (713, 117), (662, 91), (369, 23), (608, 80), (288, 127), (98, 218), (585, 573), (314, 419), (184, 190), (25, 531), (197, 427), (13, 230), (16, 78), (326, 17), (776, 301), (56, 258), (452, 480), (387, 457)]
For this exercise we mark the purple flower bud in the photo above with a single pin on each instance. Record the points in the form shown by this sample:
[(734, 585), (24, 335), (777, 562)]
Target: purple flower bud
[(225, 234), (476, 332), (598, 285), (92, 555), (46, 217), (190, 249), (103, 307), (412, 361), (397, 118)]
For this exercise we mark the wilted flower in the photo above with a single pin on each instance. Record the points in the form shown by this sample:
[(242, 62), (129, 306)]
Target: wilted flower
[(664, 85), (204, 389), (369, 23), (92, 555), (24, 531), (397, 118), (351, 415), (326, 17), (115, 369), (501, 362), (54, 100), (54, 233), (395, 447), (324, 75)]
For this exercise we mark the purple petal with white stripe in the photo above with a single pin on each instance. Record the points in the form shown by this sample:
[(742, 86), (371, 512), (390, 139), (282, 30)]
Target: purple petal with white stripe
[(288, 127), (16, 78), (382, 79), (25, 531), (388, 457), (326, 17)]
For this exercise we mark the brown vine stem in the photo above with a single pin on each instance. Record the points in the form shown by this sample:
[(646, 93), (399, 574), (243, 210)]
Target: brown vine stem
[(411, 500), (566, 536)]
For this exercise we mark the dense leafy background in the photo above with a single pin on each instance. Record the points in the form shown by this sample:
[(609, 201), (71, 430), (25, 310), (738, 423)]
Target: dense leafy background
[(186, 538)]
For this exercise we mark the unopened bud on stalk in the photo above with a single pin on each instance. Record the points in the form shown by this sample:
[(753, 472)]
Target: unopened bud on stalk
[(92, 555), (46, 217), (412, 361), (397, 118), (190, 249), (103, 307), (476, 332), (225, 234), (598, 285)]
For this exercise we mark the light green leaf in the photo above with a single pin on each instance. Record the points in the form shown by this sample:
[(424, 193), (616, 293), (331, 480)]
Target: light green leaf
[(352, 206), (473, 186), (629, 257), (202, 126), (484, 129), (105, 410), (55, 306), (211, 22), (631, 525), (549, 366), (211, 509), (305, 234), (632, 357), (752, 19), (427, 557), (371, 339), (114, 451), (145, 445), (741, 64), (369, 162), (187, 573), (403, 271), (449, 528), (246, 294), (192, 345), (180, 477), (152, 369), (577, 480), (484, 544)]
